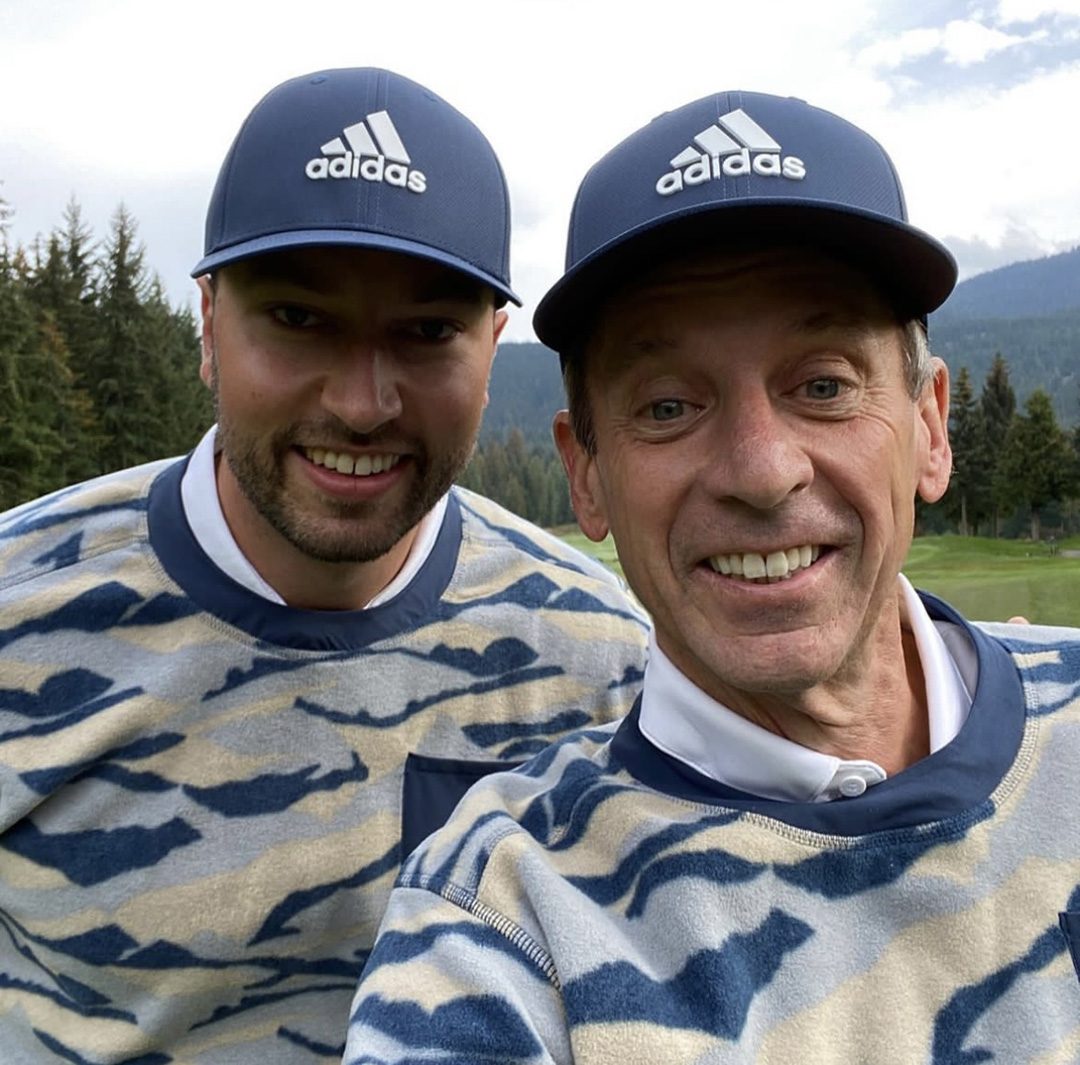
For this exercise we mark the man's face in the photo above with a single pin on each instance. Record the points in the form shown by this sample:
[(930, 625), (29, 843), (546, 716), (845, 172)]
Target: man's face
[(349, 386), (752, 416)]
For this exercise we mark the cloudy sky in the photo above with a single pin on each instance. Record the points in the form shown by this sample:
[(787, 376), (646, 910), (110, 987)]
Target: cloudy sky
[(136, 102)]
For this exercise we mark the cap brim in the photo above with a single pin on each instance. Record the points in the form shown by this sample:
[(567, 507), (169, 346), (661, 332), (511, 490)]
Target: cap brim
[(314, 238), (914, 271)]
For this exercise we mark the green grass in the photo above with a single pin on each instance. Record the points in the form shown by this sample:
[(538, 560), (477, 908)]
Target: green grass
[(993, 579), (986, 580)]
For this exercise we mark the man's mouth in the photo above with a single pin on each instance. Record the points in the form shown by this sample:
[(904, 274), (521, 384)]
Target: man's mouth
[(353, 465), (766, 568)]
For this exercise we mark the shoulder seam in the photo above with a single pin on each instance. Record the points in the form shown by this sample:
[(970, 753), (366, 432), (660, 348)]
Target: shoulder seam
[(508, 929)]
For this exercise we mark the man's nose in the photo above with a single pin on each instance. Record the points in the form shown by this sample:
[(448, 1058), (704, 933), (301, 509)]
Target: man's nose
[(757, 454), (361, 390)]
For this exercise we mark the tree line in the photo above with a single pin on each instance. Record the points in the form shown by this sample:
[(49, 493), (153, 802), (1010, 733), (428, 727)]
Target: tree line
[(1012, 468), (97, 370), (524, 477)]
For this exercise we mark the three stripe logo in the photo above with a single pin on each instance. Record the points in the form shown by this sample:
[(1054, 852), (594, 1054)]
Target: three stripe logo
[(371, 150), (733, 146)]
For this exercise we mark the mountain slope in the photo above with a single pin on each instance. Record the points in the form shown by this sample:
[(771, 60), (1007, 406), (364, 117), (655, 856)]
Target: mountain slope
[(1030, 289)]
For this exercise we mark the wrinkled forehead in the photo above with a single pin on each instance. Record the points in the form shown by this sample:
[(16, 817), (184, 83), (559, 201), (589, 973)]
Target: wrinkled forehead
[(784, 288)]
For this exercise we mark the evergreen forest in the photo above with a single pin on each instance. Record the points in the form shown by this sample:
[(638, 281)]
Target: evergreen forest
[(97, 371)]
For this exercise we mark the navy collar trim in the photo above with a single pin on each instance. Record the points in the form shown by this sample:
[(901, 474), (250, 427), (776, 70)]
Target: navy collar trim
[(958, 780), (308, 630)]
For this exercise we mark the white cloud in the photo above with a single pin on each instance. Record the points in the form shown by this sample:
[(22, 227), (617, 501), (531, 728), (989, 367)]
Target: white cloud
[(983, 164), (1016, 243), (965, 42), (962, 42)]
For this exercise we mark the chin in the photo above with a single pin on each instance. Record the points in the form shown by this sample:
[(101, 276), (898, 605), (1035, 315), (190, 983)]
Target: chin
[(767, 670)]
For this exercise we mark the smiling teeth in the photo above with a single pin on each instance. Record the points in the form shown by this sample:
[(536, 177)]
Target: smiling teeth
[(776, 566), (358, 466)]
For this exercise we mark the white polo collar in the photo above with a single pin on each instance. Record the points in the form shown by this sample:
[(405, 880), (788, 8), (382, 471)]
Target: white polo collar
[(681, 720)]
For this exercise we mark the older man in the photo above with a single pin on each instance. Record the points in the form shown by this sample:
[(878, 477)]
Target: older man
[(841, 824), (237, 687)]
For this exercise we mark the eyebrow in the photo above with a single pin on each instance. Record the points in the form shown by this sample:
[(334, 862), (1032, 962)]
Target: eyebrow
[(650, 346)]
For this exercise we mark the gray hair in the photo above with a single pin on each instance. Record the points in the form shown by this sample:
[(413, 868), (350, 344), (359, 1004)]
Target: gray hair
[(918, 365)]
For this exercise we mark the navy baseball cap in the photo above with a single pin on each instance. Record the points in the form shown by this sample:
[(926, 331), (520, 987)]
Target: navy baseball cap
[(366, 158), (741, 166)]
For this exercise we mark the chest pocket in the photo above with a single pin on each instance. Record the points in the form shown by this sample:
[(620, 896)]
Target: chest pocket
[(1070, 927), (431, 790)]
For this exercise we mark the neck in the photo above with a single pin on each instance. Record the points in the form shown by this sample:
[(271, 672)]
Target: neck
[(875, 708), (309, 584)]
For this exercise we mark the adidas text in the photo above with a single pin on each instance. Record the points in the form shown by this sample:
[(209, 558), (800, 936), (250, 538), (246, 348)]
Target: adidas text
[(706, 168), (370, 169)]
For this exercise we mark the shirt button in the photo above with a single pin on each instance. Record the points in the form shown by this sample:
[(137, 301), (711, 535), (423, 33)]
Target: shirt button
[(852, 786)]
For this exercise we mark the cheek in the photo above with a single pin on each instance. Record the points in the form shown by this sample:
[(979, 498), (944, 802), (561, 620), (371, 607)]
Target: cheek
[(252, 386), (639, 494), (456, 396)]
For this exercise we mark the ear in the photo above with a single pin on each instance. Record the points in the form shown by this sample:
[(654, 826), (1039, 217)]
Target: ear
[(586, 493), (933, 415), (501, 318), (498, 325), (206, 365)]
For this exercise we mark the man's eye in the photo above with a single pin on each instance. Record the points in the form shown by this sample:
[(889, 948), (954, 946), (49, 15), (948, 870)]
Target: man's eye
[(823, 388), (666, 410), (435, 329), (295, 317)]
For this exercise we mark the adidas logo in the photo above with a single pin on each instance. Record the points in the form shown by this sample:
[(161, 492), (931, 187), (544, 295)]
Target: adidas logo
[(371, 150), (734, 145)]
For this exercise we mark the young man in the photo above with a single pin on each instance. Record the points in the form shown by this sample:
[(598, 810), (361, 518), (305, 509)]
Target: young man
[(237, 687), (841, 823)]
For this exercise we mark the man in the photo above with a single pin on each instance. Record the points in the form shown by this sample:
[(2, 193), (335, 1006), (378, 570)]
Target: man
[(238, 686), (841, 823)]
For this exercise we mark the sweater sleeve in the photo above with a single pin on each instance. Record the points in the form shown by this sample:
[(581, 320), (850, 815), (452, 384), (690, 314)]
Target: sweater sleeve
[(454, 982)]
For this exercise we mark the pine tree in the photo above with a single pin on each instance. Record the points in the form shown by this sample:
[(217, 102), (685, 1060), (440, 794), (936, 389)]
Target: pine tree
[(184, 405), (969, 499), (124, 375), (1035, 465), (60, 287), (16, 333), (28, 444), (60, 413), (1073, 494), (998, 403)]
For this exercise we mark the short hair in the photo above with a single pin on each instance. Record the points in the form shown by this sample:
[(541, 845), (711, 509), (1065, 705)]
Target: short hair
[(915, 346)]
